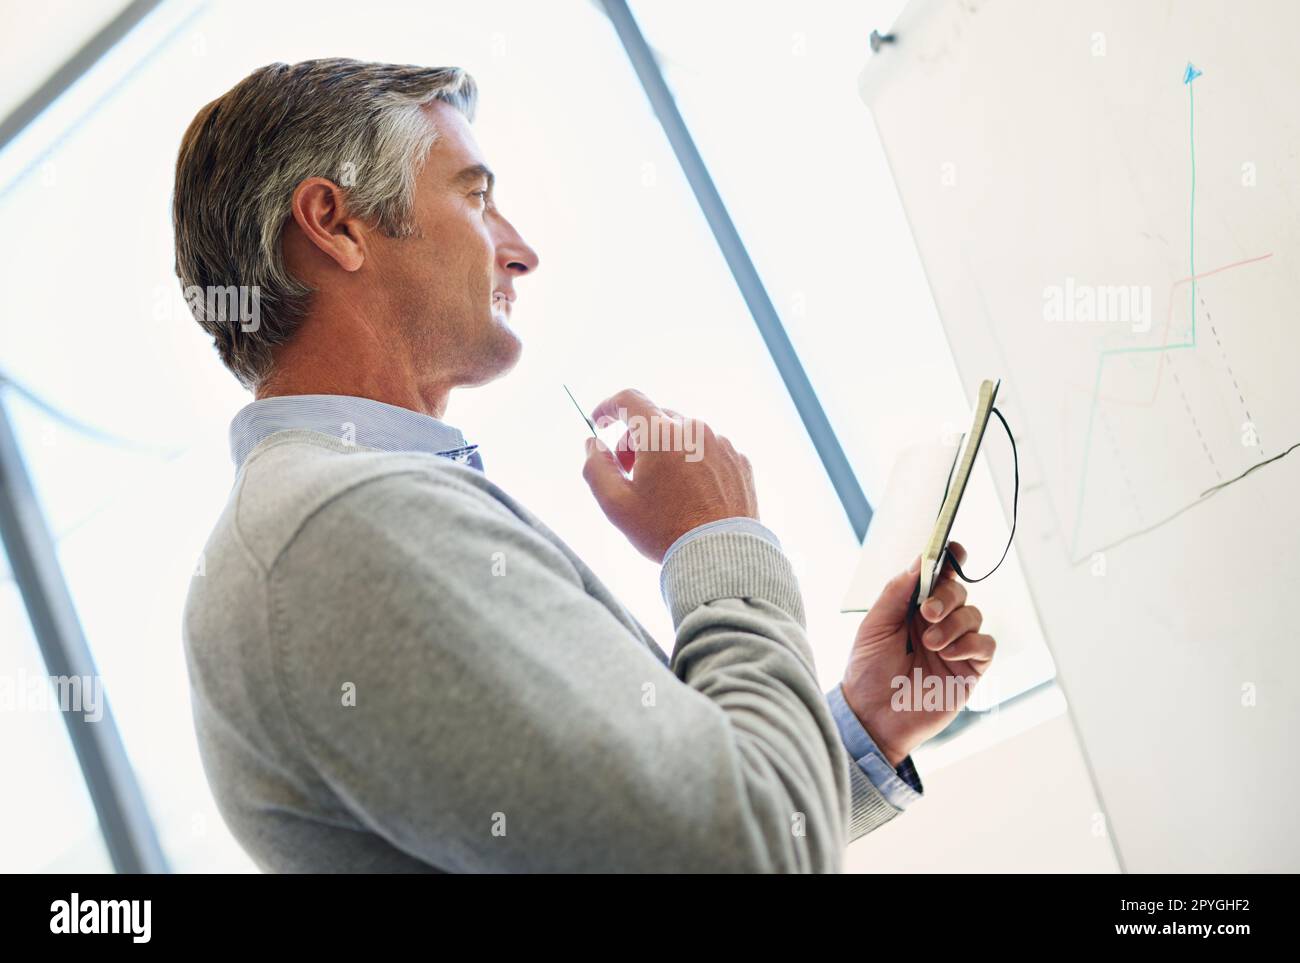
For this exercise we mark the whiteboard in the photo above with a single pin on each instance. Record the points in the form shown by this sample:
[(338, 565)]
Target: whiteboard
[(1105, 199)]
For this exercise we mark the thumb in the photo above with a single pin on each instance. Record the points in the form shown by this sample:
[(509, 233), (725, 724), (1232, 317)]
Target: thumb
[(604, 477), (896, 597)]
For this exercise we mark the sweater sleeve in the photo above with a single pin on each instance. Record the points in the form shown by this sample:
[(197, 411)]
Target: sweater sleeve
[(452, 682), (703, 576)]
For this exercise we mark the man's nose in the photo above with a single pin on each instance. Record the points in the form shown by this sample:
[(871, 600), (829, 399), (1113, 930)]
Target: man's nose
[(514, 255)]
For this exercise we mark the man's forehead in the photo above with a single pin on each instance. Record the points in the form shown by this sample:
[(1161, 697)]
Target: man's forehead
[(455, 153)]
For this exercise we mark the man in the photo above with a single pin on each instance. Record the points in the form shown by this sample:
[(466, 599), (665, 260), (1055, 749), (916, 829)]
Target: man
[(395, 666)]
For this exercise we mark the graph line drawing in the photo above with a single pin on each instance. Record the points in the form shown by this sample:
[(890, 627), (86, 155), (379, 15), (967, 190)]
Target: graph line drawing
[(1268, 461), (1190, 73), (1200, 500)]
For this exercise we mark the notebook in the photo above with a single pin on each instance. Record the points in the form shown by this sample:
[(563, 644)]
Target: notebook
[(919, 507)]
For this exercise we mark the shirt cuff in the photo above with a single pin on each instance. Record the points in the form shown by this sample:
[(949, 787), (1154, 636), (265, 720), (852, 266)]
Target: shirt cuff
[(739, 523), (901, 786)]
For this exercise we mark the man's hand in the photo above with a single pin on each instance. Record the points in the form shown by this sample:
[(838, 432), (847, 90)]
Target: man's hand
[(670, 489), (946, 647)]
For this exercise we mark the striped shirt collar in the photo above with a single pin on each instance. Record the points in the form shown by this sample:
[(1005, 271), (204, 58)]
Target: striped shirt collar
[(361, 421)]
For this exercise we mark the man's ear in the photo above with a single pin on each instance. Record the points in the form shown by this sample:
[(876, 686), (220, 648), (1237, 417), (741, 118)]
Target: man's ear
[(320, 210)]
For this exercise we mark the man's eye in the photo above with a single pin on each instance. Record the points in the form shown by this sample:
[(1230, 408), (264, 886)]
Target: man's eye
[(483, 194)]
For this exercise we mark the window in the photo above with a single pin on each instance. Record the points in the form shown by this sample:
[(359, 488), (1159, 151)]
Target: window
[(47, 823)]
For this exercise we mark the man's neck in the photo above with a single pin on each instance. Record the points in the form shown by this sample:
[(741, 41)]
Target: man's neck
[(302, 369), (433, 404)]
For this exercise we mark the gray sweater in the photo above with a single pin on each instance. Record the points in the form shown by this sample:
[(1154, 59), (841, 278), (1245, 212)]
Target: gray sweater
[(396, 667)]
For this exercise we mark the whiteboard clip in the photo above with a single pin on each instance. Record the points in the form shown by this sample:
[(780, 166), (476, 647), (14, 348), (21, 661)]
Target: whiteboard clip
[(879, 39)]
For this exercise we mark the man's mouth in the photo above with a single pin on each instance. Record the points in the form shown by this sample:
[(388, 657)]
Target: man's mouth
[(500, 305)]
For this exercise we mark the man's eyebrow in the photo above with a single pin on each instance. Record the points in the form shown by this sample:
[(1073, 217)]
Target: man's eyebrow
[(473, 173)]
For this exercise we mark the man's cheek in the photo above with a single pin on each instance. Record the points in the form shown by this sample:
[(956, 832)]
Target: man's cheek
[(478, 282)]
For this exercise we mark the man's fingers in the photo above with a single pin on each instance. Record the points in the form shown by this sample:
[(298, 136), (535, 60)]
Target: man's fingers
[(625, 451), (973, 648), (947, 595), (620, 406), (955, 550), (965, 619), (607, 482)]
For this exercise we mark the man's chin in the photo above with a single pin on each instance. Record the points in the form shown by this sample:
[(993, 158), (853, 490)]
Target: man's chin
[(499, 353), (512, 348)]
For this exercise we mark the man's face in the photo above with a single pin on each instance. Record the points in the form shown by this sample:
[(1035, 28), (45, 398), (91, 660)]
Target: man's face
[(450, 286)]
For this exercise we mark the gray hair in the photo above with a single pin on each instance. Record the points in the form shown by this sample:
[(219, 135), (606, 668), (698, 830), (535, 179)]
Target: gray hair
[(358, 124)]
